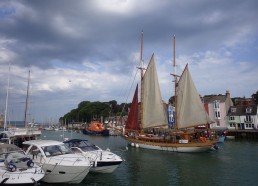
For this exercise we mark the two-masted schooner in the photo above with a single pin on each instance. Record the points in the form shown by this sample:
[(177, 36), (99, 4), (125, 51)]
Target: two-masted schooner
[(150, 115)]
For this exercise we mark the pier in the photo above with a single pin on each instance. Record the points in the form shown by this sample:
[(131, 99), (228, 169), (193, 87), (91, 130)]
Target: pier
[(243, 134)]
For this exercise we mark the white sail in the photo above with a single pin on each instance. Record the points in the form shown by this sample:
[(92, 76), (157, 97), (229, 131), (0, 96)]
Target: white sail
[(190, 109), (153, 109)]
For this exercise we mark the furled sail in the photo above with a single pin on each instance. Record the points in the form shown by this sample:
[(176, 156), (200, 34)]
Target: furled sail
[(190, 110), (153, 109), (132, 121)]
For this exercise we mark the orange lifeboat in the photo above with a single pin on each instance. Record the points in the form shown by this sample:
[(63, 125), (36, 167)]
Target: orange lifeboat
[(95, 128)]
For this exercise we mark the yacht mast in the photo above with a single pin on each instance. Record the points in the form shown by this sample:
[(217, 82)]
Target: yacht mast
[(175, 81), (6, 100), (141, 68), (27, 101)]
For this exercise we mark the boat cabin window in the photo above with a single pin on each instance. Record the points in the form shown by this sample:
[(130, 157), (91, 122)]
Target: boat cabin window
[(84, 145), (76, 150), (55, 150), (25, 147), (3, 155), (34, 150), (4, 138)]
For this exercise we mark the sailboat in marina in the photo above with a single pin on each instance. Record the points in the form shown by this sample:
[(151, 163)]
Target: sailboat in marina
[(13, 135), (149, 129)]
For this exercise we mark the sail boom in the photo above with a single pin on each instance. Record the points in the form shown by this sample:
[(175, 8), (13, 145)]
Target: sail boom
[(154, 126)]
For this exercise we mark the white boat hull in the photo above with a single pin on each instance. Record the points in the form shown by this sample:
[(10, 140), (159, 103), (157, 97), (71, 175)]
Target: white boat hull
[(64, 174), (103, 161), (60, 164), (64, 169), (29, 176), (104, 169)]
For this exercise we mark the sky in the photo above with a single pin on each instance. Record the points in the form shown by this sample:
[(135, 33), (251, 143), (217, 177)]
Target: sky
[(89, 50)]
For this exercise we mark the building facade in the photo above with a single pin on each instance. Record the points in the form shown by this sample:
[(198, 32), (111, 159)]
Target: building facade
[(217, 107), (243, 117)]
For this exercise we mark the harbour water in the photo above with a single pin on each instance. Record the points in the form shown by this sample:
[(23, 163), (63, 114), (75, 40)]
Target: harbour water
[(235, 163)]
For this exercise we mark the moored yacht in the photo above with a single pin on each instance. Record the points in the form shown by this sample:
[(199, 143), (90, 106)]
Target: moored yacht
[(17, 168), (60, 164), (18, 135), (104, 161)]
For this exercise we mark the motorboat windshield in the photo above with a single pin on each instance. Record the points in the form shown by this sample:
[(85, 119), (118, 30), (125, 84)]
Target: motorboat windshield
[(84, 145), (55, 150)]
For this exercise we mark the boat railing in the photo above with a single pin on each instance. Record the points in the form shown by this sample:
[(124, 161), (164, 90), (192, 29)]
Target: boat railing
[(60, 160), (25, 131), (90, 155), (21, 171)]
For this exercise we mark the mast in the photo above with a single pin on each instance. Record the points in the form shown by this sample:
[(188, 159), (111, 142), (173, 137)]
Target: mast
[(175, 79), (7, 97), (141, 68), (27, 100)]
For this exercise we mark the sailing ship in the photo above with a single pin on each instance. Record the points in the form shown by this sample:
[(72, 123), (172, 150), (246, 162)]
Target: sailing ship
[(149, 128)]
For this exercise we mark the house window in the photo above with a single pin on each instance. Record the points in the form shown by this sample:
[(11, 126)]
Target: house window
[(248, 118), (248, 110), (216, 104), (232, 125), (233, 109), (249, 126), (217, 114), (232, 118)]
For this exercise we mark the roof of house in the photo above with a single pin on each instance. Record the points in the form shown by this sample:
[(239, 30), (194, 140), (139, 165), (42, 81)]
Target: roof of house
[(212, 98)]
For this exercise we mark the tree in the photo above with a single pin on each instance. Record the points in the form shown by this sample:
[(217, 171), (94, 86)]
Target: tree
[(87, 111)]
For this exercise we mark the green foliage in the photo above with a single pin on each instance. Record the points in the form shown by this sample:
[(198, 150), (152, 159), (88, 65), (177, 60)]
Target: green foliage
[(87, 111)]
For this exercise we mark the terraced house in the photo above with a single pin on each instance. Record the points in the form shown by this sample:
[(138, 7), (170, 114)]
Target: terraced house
[(217, 107), (243, 117)]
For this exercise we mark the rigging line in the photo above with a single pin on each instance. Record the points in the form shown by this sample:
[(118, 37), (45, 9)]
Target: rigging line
[(129, 91), (125, 88)]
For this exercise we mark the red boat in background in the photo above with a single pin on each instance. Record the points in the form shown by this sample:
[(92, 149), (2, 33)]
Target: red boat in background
[(96, 128)]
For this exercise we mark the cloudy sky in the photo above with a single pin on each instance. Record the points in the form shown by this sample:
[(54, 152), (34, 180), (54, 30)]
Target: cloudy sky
[(89, 50)]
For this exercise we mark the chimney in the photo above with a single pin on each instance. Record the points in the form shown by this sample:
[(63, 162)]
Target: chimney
[(227, 94)]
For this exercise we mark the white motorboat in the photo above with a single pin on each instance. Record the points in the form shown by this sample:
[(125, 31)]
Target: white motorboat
[(17, 168), (104, 161), (60, 164)]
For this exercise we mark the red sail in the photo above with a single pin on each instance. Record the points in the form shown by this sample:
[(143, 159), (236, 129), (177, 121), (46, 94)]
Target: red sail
[(132, 121)]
